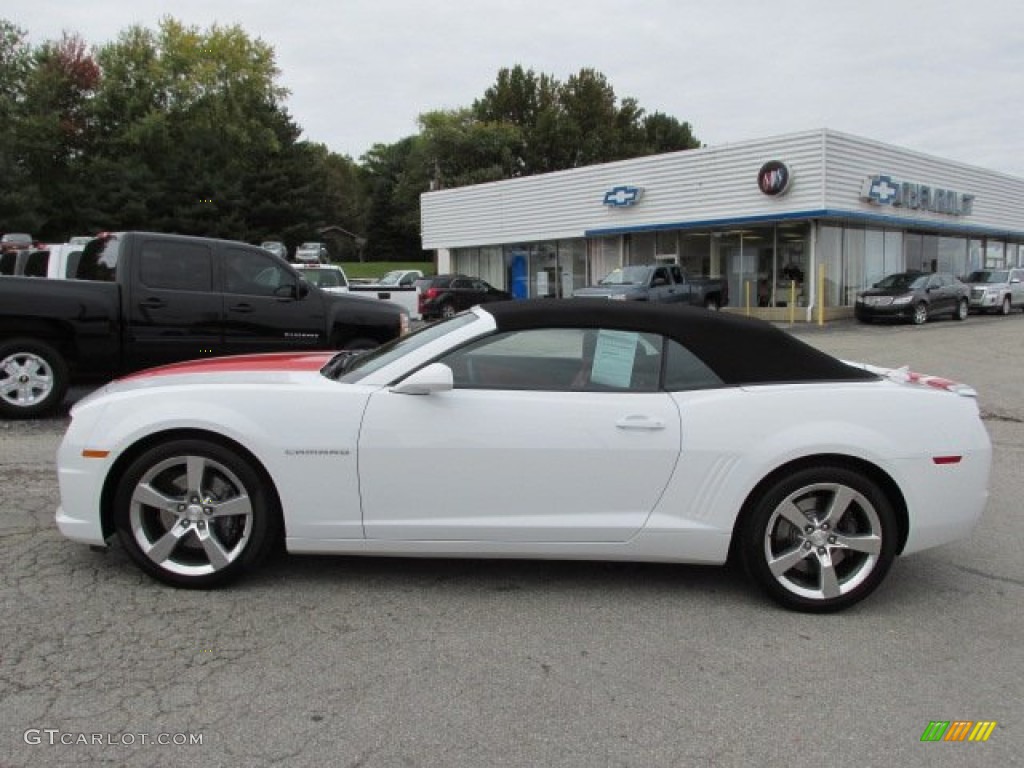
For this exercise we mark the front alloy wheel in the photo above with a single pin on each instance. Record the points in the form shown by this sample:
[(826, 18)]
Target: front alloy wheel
[(193, 513), (920, 313), (33, 378), (962, 310), (820, 540)]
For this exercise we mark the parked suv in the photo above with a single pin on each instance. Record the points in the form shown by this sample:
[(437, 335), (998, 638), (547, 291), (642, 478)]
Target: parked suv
[(914, 296), (997, 290), (445, 295)]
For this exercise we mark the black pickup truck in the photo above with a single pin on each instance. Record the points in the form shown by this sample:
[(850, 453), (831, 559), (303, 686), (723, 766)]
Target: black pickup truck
[(142, 299), (665, 283)]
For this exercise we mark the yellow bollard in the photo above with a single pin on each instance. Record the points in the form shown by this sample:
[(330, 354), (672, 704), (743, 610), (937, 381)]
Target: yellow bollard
[(821, 294)]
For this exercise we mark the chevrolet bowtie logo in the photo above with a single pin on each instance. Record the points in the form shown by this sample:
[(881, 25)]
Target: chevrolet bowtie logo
[(882, 189), (618, 197)]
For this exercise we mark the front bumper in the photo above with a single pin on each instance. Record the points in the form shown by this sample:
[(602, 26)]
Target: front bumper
[(884, 312)]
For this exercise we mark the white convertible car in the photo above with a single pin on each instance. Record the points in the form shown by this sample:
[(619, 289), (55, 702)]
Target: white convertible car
[(572, 429)]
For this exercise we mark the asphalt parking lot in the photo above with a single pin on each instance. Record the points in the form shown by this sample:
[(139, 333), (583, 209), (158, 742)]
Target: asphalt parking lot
[(358, 662)]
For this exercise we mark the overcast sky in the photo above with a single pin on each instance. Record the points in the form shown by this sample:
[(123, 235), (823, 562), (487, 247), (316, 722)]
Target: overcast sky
[(938, 76)]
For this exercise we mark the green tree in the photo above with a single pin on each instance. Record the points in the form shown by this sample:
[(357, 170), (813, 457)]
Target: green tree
[(16, 199), (53, 132), (394, 175)]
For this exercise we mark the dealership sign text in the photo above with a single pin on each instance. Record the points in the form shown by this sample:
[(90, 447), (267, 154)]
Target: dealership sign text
[(886, 190)]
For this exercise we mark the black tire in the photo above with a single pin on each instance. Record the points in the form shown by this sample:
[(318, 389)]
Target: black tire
[(1004, 308), (962, 310), (447, 310), (711, 303), (33, 378), (920, 313), (822, 561), (193, 513)]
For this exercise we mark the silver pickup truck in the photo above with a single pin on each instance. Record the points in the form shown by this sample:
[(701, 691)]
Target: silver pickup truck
[(996, 290)]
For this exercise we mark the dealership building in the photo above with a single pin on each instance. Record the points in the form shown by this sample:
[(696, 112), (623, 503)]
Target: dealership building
[(796, 224)]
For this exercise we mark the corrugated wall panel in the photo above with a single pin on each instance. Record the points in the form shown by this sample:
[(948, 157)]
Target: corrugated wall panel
[(699, 185), (998, 203), (715, 184)]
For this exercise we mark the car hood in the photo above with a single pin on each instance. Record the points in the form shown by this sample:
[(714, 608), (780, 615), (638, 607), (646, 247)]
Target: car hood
[(268, 368), (238, 369)]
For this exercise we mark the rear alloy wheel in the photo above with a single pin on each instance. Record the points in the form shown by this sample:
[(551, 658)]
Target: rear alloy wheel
[(920, 313), (33, 378), (820, 540), (193, 513), (962, 310), (447, 310)]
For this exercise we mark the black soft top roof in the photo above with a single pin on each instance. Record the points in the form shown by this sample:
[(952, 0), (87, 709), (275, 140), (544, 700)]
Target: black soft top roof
[(740, 350)]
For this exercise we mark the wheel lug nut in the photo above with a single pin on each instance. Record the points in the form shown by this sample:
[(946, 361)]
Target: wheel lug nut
[(831, 539), (821, 550), (807, 545), (181, 507), (207, 510), (809, 529), (824, 526)]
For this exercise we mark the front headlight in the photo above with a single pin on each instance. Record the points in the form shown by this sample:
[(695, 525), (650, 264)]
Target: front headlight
[(903, 299)]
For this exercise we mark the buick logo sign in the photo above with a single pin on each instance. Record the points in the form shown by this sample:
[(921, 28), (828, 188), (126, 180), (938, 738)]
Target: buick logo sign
[(773, 178)]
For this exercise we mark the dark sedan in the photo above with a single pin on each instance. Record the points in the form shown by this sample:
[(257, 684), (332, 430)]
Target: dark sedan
[(446, 295), (914, 296)]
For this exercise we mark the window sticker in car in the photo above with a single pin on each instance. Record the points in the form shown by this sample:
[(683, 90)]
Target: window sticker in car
[(613, 359)]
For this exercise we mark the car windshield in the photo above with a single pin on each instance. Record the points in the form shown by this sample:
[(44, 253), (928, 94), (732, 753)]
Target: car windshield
[(986, 276), (903, 282), (392, 277), (350, 368), (627, 276)]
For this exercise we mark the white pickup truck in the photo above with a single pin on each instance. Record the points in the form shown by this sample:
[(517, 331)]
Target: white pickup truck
[(398, 286)]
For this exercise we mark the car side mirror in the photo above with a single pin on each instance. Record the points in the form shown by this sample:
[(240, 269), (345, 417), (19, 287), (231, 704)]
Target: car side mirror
[(1015, 281), (436, 377)]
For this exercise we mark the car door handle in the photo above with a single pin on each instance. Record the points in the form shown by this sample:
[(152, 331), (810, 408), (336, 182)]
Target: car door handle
[(637, 422), (244, 308), (153, 303)]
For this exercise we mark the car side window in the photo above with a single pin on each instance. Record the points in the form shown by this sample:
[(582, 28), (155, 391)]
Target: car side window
[(560, 360), (685, 371), (176, 266), (254, 273), (36, 264)]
